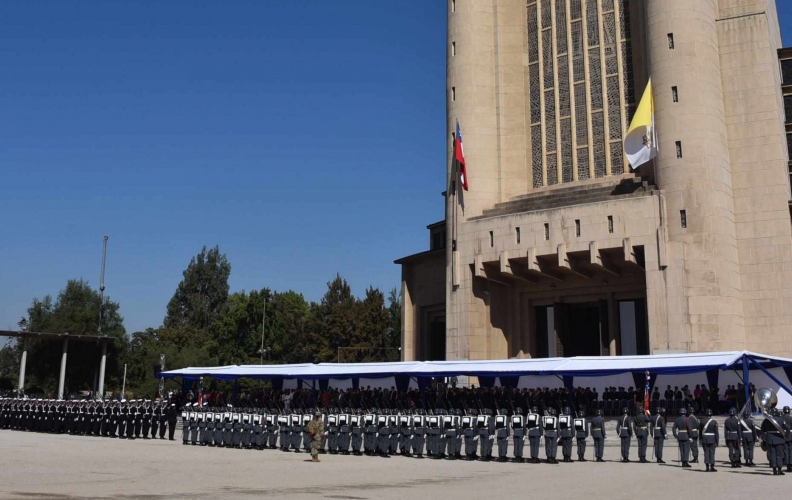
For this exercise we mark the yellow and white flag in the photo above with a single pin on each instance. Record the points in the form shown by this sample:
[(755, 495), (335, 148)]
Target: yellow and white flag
[(640, 144)]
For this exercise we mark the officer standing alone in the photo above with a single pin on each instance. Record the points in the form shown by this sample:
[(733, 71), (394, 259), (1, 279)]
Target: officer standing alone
[(659, 434), (624, 431), (709, 439), (598, 434)]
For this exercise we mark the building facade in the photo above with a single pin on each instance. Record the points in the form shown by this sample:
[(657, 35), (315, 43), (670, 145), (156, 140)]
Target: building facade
[(559, 248)]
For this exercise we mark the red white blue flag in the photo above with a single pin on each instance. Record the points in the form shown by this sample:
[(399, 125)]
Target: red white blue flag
[(459, 156), (647, 394)]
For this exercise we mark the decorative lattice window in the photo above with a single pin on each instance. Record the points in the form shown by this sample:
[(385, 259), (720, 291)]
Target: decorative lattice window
[(624, 19), (583, 163), (547, 59), (535, 93), (566, 150), (552, 169), (547, 19), (536, 155), (617, 158), (581, 116), (606, 5), (627, 68), (578, 67), (575, 10), (786, 71), (598, 138), (550, 123), (564, 104), (614, 108), (592, 23), (595, 73), (533, 34), (561, 27)]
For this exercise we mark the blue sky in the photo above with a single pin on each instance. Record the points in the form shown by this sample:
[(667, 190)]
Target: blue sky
[(303, 137)]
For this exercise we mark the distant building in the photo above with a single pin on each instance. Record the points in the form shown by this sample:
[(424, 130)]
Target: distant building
[(558, 248)]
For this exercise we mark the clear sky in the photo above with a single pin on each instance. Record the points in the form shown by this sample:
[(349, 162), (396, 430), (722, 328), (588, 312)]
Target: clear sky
[(303, 137)]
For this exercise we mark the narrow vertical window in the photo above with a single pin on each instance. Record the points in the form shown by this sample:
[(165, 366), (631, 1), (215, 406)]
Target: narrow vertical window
[(683, 218), (453, 48), (453, 5), (610, 224), (547, 231), (517, 235), (675, 94), (577, 228), (670, 41), (679, 149), (453, 94), (492, 239)]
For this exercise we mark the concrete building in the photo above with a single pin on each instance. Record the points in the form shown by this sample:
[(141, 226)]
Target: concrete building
[(559, 248)]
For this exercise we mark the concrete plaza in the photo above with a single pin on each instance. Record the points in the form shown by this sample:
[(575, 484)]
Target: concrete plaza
[(58, 467)]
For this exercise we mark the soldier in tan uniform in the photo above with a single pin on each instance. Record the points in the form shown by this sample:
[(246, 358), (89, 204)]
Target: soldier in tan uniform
[(315, 429)]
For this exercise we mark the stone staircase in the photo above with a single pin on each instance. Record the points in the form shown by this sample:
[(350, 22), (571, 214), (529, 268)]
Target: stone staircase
[(576, 194)]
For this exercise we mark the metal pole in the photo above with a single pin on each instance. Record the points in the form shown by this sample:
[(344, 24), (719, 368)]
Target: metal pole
[(263, 323), (22, 365), (62, 380), (123, 384), (102, 286), (102, 363)]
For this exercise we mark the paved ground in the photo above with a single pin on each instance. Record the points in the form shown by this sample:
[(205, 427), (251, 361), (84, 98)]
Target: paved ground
[(56, 467)]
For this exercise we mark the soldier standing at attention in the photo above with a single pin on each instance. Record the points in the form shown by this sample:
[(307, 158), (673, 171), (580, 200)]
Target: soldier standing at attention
[(774, 440), (581, 433), (693, 425), (624, 430), (748, 435), (565, 433), (731, 429), (534, 425), (682, 435), (659, 433), (518, 431), (709, 439), (598, 434), (172, 412), (787, 426), (550, 426), (641, 427), (315, 430)]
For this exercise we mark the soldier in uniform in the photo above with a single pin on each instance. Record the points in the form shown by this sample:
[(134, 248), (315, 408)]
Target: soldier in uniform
[(171, 414), (709, 439), (486, 429), (370, 433), (405, 433), (138, 418), (344, 431), (156, 412), (122, 419), (272, 430), (332, 433), (163, 420), (393, 438), (641, 428), (357, 432), (731, 431), (694, 425), (787, 421), (550, 428), (533, 423), (147, 416), (774, 440), (419, 433), (130, 419), (581, 434), (624, 431), (257, 442), (565, 433), (315, 430), (433, 435), (518, 431), (659, 433), (682, 434), (748, 435), (247, 431), (202, 426), (502, 434)]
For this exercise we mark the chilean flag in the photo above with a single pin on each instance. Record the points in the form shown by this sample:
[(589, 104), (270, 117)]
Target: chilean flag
[(647, 394), (459, 156)]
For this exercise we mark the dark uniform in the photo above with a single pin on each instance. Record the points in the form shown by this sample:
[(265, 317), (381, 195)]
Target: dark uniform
[(565, 431), (598, 434), (624, 431), (533, 423), (502, 435), (641, 428), (774, 440), (709, 440), (581, 433), (731, 431), (518, 431), (550, 429), (787, 426), (659, 433), (748, 435), (681, 432), (694, 425)]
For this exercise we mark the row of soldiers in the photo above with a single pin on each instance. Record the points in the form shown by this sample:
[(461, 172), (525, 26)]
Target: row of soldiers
[(740, 434), (123, 419), (441, 434)]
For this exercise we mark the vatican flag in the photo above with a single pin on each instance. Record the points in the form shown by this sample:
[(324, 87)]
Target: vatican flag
[(640, 145)]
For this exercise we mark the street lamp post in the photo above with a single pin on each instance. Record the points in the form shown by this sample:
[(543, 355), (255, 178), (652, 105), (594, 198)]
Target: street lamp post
[(263, 327)]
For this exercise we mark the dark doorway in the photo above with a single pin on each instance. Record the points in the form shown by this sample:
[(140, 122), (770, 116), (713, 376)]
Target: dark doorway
[(582, 336), (436, 345)]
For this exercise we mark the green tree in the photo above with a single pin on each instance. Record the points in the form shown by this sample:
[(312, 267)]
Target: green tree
[(393, 339), (371, 328), (74, 311), (200, 297), (333, 321)]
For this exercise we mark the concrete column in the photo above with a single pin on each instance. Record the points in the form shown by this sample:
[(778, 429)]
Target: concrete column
[(62, 379), (23, 363), (613, 326), (102, 363)]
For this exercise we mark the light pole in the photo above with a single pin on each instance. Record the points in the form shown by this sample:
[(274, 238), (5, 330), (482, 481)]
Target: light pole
[(263, 327)]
